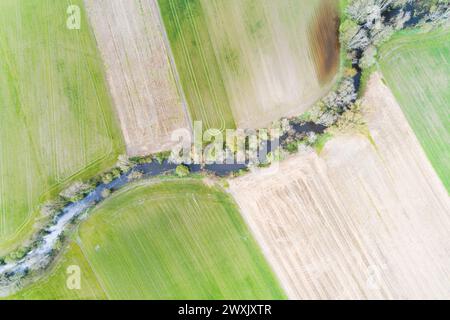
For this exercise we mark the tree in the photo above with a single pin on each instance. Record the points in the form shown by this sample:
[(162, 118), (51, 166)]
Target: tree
[(352, 118), (369, 57), (360, 40), (347, 31), (438, 12), (312, 138), (367, 12)]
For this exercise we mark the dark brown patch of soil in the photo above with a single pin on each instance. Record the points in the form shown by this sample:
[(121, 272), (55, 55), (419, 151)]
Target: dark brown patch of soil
[(324, 40)]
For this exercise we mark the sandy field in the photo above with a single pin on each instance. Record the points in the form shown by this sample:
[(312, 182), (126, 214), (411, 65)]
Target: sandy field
[(266, 51), (138, 65), (368, 218)]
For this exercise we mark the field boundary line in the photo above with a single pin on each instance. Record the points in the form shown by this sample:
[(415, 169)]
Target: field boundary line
[(79, 243)]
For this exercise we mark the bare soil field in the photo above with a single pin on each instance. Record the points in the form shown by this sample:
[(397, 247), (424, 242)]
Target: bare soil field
[(139, 72), (367, 218)]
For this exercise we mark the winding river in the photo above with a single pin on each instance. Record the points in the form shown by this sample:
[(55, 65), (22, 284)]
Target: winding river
[(42, 256), (38, 259)]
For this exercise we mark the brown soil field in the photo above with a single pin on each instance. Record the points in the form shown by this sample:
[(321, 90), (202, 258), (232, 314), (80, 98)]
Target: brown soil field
[(367, 218), (140, 72)]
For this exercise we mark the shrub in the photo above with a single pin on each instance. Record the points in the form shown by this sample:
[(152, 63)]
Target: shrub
[(107, 177), (106, 193), (17, 254), (116, 173), (76, 191), (321, 141), (135, 175), (124, 164), (182, 171), (292, 147), (160, 157), (53, 206)]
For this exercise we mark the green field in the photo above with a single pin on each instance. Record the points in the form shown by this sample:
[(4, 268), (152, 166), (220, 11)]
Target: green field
[(250, 62), (417, 69), (54, 287), (197, 63), (176, 239), (57, 121)]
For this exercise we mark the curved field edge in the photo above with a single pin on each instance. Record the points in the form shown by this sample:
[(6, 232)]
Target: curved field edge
[(163, 239), (416, 67), (246, 63), (54, 286), (59, 130)]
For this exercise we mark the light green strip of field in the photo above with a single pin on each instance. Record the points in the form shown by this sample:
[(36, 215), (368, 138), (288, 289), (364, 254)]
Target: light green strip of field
[(56, 121), (417, 69), (177, 239), (197, 63)]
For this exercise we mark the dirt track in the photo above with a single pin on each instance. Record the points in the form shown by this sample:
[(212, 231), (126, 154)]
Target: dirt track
[(361, 220), (140, 76)]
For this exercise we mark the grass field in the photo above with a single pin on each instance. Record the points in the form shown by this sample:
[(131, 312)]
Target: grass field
[(417, 69), (365, 219), (55, 285), (56, 116), (249, 62), (169, 240)]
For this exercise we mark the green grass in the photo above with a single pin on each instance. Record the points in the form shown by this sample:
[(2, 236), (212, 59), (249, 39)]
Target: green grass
[(322, 141), (417, 68), (172, 239), (54, 287), (197, 64), (57, 122)]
